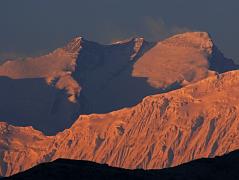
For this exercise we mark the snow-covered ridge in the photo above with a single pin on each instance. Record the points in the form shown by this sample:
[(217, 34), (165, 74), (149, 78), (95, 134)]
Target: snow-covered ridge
[(74, 46), (200, 40)]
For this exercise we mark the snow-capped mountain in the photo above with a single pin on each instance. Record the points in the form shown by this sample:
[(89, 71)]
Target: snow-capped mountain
[(51, 91)]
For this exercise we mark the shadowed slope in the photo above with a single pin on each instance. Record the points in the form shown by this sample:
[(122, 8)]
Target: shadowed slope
[(220, 168), (56, 100), (25, 102), (199, 120), (104, 73)]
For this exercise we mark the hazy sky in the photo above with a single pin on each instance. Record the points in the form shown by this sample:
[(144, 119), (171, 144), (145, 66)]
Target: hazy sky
[(30, 27)]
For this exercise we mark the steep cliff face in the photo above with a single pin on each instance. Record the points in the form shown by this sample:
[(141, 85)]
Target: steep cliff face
[(199, 120), (86, 77)]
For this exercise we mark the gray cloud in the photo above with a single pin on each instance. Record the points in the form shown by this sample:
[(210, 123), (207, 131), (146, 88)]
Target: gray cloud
[(158, 29)]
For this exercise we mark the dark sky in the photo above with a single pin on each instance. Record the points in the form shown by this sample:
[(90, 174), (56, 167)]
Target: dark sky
[(31, 27)]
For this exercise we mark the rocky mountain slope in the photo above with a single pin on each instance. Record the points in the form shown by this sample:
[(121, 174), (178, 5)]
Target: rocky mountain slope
[(199, 120), (220, 168), (49, 92)]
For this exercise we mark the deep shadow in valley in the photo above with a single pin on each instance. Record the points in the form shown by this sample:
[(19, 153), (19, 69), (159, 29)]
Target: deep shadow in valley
[(32, 102)]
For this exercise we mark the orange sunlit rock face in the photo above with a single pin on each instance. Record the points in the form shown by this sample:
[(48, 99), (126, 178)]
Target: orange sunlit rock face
[(199, 120)]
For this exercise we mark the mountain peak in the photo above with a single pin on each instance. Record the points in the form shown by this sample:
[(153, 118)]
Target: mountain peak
[(138, 43), (194, 36), (200, 34), (200, 40), (129, 40), (74, 45), (78, 38), (138, 39)]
